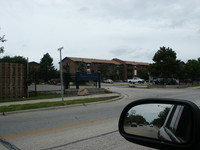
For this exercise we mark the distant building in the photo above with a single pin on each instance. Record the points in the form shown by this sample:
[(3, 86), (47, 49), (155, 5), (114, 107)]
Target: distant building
[(115, 69), (131, 67), (34, 66)]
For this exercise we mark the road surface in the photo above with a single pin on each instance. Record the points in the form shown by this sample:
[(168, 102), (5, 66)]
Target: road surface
[(145, 130), (87, 127)]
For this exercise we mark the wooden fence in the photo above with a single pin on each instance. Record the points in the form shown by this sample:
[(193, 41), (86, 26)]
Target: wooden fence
[(12, 80)]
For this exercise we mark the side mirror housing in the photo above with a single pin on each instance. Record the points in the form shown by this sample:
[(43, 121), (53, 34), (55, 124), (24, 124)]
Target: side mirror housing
[(161, 123)]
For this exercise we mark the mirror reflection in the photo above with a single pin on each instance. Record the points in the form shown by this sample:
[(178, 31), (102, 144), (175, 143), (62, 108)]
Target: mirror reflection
[(160, 121)]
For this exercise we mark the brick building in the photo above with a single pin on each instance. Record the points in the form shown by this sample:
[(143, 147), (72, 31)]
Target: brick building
[(116, 69), (34, 66)]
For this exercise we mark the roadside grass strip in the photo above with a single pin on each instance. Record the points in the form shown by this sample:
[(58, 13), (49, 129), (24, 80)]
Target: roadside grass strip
[(51, 104), (32, 97)]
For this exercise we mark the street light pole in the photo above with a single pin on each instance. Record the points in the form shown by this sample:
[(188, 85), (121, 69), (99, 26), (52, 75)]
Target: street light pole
[(61, 74)]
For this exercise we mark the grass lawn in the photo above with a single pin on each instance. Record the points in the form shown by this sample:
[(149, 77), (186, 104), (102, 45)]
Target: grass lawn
[(33, 97), (51, 104)]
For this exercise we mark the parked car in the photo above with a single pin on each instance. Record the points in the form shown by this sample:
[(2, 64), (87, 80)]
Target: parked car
[(186, 81), (136, 80), (108, 81), (160, 81), (54, 81), (133, 124), (151, 125), (165, 81)]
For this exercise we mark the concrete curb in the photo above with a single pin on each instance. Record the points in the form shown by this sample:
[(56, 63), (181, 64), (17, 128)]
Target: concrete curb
[(120, 96)]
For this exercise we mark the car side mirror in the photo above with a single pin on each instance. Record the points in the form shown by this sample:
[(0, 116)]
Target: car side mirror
[(161, 123)]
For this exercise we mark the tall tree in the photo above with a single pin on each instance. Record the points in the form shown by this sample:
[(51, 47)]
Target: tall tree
[(161, 117), (143, 73), (120, 71), (104, 69), (193, 69), (66, 76), (139, 119), (81, 67), (47, 70), (15, 59), (165, 63)]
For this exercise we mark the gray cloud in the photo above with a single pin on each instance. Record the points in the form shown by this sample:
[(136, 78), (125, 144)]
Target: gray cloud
[(198, 31), (133, 54), (128, 29), (157, 13), (123, 51)]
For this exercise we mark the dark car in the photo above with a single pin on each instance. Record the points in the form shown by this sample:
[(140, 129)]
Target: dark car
[(186, 81), (165, 81), (54, 81)]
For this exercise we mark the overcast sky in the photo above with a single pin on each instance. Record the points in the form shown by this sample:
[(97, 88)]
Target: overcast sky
[(104, 29)]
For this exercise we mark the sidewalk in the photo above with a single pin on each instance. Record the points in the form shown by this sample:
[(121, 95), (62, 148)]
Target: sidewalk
[(59, 99)]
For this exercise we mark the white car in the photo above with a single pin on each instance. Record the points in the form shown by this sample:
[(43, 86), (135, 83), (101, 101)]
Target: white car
[(108, 81), (136, 80), (151, 125)]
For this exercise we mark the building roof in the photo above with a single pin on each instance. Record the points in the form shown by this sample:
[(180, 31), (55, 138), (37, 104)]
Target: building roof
[(114, 61), (88, 60), (33, 63), (136, 63), (131, 62)]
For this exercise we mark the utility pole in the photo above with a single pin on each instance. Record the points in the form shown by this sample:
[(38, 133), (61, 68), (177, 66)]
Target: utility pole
[(61, 73)]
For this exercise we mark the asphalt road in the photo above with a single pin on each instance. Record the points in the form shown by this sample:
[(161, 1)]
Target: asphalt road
[(146, 131), (86, 127)]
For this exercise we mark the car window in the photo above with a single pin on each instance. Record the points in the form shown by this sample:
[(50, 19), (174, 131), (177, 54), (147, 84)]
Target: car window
[(185, 124), (176, 123), (169, 119), (175, 119), (170, 126)]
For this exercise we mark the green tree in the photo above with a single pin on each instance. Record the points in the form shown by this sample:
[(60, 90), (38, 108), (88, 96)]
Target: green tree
[(33, 76), (66, 76), (143, 73), (181, 73), (161, 117), (165, 63), (109, 71), (192, 69), (47, 71), (103, 68), (15, 59), (139, 119), (81, 67), (119, 73)]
